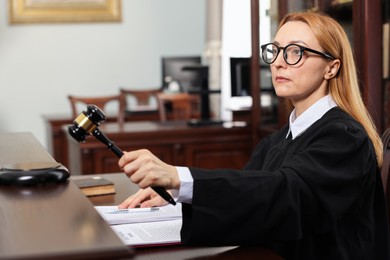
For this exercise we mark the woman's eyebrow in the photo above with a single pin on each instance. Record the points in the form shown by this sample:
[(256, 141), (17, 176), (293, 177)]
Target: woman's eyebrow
[(299, 41), (291, 42)]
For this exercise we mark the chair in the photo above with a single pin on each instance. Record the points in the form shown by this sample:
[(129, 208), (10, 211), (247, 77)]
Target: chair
[(183, 106), (102, 102), (140, 104), (386, 167), (144, 101)]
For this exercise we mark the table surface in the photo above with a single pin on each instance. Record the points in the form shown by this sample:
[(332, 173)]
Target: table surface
[(124, 188), (51, 220), (56, 221)]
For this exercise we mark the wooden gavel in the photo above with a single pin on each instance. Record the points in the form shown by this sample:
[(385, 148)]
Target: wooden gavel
[(87, 123)]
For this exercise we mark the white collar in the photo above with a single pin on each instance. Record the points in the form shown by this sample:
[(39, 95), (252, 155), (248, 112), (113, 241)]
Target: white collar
[(299, 124)]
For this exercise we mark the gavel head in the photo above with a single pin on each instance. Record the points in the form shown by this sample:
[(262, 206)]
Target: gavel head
[(86, 122)]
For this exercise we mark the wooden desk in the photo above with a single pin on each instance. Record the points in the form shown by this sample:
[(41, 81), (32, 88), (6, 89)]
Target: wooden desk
[(176, 143), (56, 138), (124, 188), (52, 221)]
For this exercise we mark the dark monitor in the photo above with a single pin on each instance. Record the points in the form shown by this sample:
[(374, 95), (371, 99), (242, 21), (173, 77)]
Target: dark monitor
[(172, 70), (240, 87), (240, 77)]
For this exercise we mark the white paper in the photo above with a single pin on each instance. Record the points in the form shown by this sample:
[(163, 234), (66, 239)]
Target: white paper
[(150, 233), (115, 216)]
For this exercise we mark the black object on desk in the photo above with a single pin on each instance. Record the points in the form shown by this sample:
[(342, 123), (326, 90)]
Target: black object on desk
[(87, 123), (24, 174)]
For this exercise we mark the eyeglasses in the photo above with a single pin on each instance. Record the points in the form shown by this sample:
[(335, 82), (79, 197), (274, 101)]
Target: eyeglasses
[(292, 53)]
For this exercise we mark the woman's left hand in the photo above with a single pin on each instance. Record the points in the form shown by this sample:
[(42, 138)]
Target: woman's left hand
[(144, 198)]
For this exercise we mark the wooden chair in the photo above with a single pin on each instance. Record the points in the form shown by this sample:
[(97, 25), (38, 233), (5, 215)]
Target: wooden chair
[(139, 100), (102, 102), (184, 106), (142, 98), (140, 104), (386, 167)]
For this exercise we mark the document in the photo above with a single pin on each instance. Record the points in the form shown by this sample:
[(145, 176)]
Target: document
[(140, 227), (115, 216), (150, 233)]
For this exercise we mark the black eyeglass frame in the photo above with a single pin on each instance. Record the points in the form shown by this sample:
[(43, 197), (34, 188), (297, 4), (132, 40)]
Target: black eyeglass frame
[(302, 49)]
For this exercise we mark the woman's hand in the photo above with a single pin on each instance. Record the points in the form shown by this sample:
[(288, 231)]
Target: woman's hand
[(146, 170), (144, 198)]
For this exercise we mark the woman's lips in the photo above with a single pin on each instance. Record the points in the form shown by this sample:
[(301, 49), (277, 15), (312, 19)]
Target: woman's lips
[(281, 79)]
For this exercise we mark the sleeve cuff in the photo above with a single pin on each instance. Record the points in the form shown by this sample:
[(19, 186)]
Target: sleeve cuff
[(184, 194)]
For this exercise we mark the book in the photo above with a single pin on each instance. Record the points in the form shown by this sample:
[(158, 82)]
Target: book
[(93, 186), (145, 227)]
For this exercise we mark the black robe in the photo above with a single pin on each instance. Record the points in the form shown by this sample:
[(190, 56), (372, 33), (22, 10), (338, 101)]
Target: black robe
[(319, 196)]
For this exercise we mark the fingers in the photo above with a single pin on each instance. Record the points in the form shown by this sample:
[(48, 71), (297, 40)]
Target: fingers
[(145, 169), (127, 158), (130, 162), (137, 198), (156, 201), (130, 202), (138, 164), (144, 198)]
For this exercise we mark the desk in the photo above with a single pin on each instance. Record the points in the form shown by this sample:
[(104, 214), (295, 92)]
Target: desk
[(174, 142), (50, 221), (124, 188)]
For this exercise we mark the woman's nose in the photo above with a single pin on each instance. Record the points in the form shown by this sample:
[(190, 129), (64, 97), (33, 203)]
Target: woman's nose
[(279, 61)]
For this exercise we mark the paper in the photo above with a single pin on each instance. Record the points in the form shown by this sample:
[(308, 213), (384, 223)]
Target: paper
[(115, 216), (145, 226), (149, 233)]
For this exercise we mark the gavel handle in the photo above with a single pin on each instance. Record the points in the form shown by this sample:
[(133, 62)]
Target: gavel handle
[(110, 145), (118, 152)]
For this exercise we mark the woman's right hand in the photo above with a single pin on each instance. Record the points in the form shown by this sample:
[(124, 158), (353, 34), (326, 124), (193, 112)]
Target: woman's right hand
[(144, 198)]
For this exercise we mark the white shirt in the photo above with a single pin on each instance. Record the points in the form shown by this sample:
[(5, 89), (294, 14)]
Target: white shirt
[(298, 125)]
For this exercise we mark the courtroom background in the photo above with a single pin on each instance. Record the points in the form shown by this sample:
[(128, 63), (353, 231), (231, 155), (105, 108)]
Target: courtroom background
[(40, 64)]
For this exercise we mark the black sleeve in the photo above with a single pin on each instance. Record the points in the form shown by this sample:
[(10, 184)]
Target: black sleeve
[(311, 190)]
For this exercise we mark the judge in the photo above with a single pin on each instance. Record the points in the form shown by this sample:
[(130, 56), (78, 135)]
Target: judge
[(313, 189)]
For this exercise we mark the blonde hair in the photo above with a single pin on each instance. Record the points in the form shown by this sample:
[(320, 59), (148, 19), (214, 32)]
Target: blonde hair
[(344, 87)]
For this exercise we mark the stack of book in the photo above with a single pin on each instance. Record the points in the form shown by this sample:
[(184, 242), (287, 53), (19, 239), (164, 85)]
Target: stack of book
[(93, 186)]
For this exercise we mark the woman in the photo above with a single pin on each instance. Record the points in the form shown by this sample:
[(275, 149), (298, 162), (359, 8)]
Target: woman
[(311, 190)]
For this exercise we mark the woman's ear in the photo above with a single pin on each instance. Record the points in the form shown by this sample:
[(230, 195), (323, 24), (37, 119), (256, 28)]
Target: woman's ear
[(332, 69)]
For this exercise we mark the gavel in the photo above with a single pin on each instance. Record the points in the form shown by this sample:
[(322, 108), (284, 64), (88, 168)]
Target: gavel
[(87, 123)]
